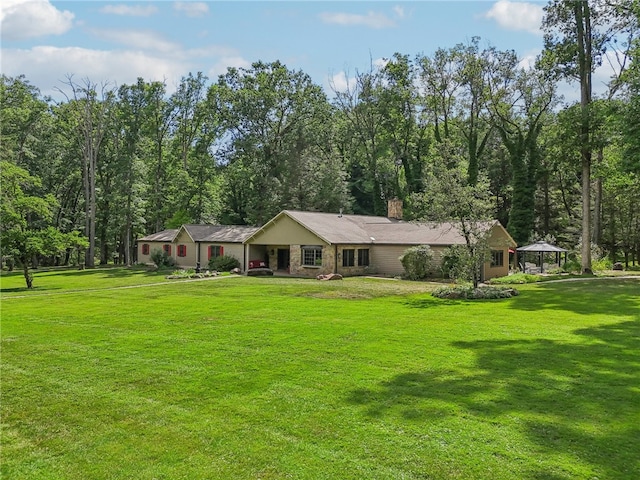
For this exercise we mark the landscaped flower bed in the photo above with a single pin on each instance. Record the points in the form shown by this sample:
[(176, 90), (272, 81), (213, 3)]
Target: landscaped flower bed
[(469, 293)]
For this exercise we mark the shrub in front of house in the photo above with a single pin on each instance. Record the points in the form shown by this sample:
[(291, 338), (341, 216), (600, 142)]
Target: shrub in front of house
[(161, 259), (224, 263), (418, 262)]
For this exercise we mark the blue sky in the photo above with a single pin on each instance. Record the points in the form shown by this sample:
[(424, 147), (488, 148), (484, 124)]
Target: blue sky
[(117, 42)]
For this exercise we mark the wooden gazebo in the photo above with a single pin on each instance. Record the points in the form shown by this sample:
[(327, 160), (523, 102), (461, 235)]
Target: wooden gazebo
[(540, 248)]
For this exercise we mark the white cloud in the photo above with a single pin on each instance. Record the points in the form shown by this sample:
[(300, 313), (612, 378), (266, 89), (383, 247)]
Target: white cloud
[(528, 59), (48, 67), (380, 63), (339, 82), (371, 19), (22, 19), (192, 9), (221, 66), (139, 39), (517, 15), (130, 10), (399, 11)]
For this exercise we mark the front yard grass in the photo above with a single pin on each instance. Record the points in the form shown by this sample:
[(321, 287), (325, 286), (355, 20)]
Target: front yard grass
[(290, 378)]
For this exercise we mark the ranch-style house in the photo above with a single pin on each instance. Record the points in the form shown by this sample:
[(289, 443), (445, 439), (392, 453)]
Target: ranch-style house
[(313, 243)]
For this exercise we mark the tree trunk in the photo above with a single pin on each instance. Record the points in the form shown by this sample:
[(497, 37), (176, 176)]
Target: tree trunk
[(28, 276), (127, 243), (91, 209), (583, 23)]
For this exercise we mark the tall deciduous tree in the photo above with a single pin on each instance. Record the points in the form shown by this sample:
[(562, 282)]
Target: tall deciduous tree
[(360, 120), (93, 106), (576, 36), (130, 120), (22, 111), (519, 101), (405, 131), (157, 129), (270, 114), (450, 197)]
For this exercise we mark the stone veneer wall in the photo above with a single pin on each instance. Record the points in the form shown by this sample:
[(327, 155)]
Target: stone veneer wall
[(296, 267), (356, 269)]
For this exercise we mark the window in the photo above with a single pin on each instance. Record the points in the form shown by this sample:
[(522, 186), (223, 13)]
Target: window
[(145, 249), (182, 250), (348, 257), (363, 257), (167, 248), (215, 251), (311, 255), (497, 258)]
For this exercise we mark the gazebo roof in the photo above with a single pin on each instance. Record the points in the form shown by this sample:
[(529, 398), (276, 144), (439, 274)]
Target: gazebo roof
[(541, 247)]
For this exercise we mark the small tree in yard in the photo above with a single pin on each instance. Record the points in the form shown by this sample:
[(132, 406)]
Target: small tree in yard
[(451, 197), (462, 263), (417, 262), (24, 230)]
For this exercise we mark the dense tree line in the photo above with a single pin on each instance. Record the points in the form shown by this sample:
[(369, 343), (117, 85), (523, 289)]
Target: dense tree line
[(465, 123)]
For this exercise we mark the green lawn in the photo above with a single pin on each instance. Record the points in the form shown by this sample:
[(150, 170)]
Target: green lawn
[(277, 378)]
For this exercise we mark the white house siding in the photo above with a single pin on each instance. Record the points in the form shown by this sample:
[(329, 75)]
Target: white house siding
[(384, 259), (189, 260), (146, 259)]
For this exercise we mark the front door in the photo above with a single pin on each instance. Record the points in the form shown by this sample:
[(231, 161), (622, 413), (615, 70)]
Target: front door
[(283, 259)]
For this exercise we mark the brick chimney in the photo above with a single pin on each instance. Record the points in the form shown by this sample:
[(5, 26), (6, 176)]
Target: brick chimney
[(394, 208)]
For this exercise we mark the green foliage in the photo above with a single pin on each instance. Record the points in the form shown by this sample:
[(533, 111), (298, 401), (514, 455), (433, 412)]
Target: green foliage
[(25, 230), (279, 125), (468, 292), (418, 262), (161, 259), (224, 263), (187, 273), (463, 263), (178, 219), (601, 264), (572, 266)]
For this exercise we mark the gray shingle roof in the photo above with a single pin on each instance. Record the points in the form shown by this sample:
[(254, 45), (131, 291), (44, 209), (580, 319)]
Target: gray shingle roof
[(163, 236), (220, 233), (206, 233), (358, 229)]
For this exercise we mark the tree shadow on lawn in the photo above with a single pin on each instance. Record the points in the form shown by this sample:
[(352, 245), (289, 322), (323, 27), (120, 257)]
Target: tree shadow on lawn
[(578, 400)]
